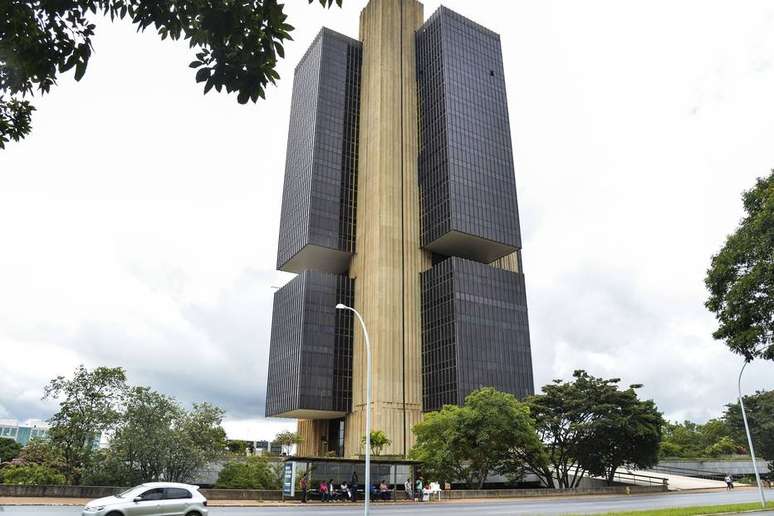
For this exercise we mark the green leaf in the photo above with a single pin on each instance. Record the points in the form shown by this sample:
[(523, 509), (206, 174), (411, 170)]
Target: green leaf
[(202, 75), (80, 70)]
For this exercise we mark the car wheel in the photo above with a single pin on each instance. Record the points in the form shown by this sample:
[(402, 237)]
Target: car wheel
[(114, 513), (193, 513)]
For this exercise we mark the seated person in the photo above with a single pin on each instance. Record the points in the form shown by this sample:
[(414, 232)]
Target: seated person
[(384, 490), (324, 491), (345, 491)]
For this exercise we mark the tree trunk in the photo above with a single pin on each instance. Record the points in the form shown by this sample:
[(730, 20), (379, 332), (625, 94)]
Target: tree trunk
[(611, 476)]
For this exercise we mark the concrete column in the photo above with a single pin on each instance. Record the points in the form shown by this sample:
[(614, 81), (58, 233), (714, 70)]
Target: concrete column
[(388, 258)]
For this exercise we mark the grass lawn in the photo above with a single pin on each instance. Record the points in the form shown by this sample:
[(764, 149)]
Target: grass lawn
[(694, 511)]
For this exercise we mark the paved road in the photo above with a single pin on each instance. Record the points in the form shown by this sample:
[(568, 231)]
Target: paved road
[(543, 507)]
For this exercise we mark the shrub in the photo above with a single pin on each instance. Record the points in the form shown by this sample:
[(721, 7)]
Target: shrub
[(9, 449), (32, 474), (253, 473)]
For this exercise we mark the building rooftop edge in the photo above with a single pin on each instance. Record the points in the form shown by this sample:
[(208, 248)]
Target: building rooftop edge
[(442, 9)]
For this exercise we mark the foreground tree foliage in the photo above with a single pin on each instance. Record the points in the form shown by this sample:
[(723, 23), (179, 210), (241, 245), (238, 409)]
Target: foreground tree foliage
[(152, 437), (38, 463), (157, 439), (9, 449), (589, 426), (89, 404), (490, 433), (251, 473), (32, 475), (624, 432), (741, 278), (236, 43), (760, 417)]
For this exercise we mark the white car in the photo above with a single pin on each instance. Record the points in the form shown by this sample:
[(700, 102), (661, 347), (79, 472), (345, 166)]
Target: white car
[(152, 499)]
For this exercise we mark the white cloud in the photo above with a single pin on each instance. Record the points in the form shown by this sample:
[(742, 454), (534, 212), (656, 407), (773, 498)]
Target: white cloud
[(138, 223)]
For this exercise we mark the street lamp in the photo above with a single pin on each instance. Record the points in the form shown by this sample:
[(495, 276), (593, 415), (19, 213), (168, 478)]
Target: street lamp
[(368, 407), (749, 438)]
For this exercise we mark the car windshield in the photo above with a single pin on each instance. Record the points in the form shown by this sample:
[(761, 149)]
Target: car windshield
[(126, 493)]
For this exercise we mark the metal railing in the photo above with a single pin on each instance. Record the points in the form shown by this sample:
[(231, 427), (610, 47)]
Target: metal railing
[(640, 479)]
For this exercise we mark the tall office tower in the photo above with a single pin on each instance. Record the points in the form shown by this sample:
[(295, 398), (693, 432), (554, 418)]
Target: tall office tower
[(399, 200)]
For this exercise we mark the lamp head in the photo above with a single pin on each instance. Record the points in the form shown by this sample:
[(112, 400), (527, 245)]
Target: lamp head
[(341, 307)]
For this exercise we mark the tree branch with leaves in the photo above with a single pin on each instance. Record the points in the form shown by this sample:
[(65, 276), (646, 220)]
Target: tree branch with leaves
[(237, 45)]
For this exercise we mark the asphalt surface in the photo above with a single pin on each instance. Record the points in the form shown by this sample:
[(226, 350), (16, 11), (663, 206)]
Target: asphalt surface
[(542, 507)]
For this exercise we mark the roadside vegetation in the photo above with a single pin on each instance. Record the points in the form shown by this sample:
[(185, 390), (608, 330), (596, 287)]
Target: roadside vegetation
[(573, 428), (251, 473), (694, 511), (151, 435)]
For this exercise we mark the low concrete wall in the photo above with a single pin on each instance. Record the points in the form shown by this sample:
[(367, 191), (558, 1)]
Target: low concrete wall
[(92, 492), (240, 494), (528, 493)]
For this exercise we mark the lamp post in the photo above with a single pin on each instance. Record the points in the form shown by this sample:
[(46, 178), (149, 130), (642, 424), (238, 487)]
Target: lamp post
[(368, 407), (749, 438)]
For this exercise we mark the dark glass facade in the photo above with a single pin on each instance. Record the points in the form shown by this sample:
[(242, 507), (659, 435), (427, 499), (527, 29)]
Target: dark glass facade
[(317, 224), (466, 174), (310, 361), (474, 332)]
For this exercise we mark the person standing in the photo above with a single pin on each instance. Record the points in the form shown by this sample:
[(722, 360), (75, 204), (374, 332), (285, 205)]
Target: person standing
[(418, 489), (304, 486), (407, 488), (353, 485), (729, 482), (324, 491)]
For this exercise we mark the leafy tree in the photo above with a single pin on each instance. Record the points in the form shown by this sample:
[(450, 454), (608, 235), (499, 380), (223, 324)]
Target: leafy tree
[(43, 453), (107, 469), (740, 279), (89, 404), (724, 446), (32, 474), (287, 439), (38, 463), (378, 441), (760, 416), (692, 440), (439, 445), (237, 44), (253, 473), (237, 447), (625, 431), (589, 425), (9, 449), (157, 439), (203, 426), (474, 440), (563, 416)]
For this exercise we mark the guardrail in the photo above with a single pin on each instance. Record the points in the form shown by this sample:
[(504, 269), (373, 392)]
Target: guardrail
[(640, 479)]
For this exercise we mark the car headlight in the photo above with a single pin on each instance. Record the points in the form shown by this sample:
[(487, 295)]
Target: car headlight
[(95, 508)]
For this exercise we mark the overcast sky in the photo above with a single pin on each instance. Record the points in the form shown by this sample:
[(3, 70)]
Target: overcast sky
[(138, 222)]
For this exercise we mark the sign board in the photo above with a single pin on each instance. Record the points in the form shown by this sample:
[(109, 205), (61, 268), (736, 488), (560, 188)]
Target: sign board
[(289, 480)]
